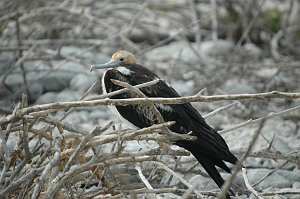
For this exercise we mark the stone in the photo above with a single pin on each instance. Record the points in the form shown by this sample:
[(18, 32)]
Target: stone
[(252, 50), (279, 179), (296, 185), (14, 81), (6, 60), (82, 82), (84, 55), (67, 96), (35, 90), (71, 67), (266, 72), (100, 113), (188, 52), (237, 86), (216, 48), (56, 81), (183, 87), (46, 98)]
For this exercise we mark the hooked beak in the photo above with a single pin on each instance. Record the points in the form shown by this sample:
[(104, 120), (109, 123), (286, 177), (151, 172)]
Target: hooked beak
[(110, 64)]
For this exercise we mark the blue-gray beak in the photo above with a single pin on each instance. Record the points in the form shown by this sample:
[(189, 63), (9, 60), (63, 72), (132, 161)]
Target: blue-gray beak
[(110, 64)]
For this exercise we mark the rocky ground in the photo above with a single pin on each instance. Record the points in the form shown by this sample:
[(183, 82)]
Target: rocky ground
[(48, 51)]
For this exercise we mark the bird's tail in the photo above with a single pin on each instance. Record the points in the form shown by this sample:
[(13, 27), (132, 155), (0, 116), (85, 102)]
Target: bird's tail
[(211, 169)]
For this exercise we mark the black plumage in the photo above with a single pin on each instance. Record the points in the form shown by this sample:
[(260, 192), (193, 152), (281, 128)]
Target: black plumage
[(209, 149)]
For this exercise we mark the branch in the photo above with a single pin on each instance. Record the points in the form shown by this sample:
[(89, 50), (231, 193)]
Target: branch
[(123, 102), (270, 115), (186, 183), (238, 166), (271, 155), (52, 163), (250, 188)]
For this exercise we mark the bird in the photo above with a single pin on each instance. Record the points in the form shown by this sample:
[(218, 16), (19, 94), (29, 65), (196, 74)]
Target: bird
[(210, 149)]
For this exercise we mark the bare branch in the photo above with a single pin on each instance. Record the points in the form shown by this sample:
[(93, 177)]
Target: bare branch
[(132, 101)]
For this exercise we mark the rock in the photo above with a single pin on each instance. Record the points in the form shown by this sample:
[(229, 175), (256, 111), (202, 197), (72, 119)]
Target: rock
[(183, 87), (266, 72), (14, 81), (202, 183), (296, 185), (186, 52), (56, 81), (216, 48), (99, 113), (279, 179), (77, 117), (270, 128), (35, 90), (71, 67), (82, 82), (207, 184), (71, 51), (6, 59), (67, 96), (84, 55), (46, 98), (252, 50), (237, 86)]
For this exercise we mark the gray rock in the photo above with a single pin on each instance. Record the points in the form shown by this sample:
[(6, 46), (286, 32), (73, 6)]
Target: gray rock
[(183, 87), (236, 86), (216, 48), (100, 58), (252, 50), (296, 185), (71, 51), (14, 81), (77, 117), (46, 98), (207, 184), (71, 67), (84, 55), (100, 113), (266, 72), (67, 96), (35, 90), (186, 52), (82, 82), (245, 134), (202, 183), (6, 61), (56, 81), (279, 179)]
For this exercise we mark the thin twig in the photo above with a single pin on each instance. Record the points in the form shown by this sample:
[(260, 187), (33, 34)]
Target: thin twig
[(186, 183), (52, 163), (239, 164), (250, 188), (270, 115), (213, 113)]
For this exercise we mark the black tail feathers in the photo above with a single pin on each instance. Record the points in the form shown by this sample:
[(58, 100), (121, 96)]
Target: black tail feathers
[(211, 169)]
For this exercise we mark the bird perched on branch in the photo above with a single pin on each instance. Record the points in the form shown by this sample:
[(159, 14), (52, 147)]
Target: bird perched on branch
[(209, 149)]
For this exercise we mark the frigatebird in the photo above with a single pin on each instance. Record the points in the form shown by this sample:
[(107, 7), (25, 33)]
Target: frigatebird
[(210, 149)]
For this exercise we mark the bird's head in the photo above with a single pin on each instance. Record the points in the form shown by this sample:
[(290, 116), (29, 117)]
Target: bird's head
[(119, 58)]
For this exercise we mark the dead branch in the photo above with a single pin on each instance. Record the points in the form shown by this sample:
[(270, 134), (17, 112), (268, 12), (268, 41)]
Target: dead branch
[(123, 102), (239, 164)]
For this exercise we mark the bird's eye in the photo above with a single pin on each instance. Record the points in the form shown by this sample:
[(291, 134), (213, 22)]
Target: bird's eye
[(121, 59)]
